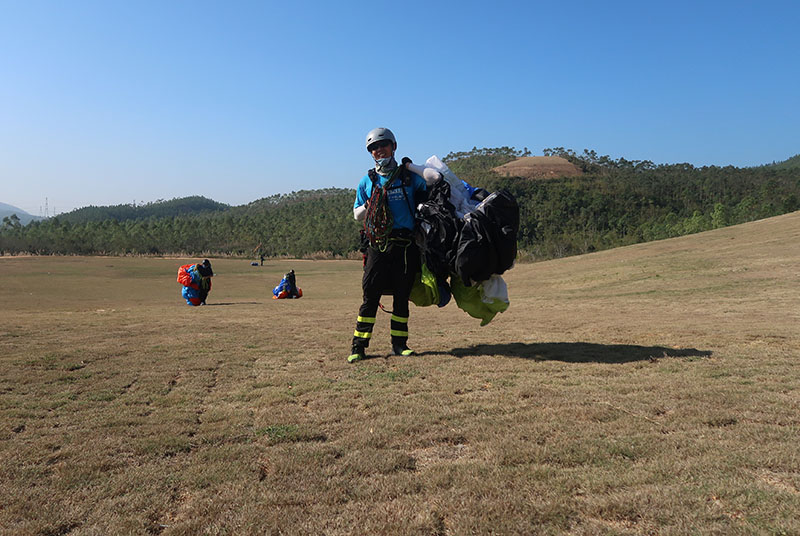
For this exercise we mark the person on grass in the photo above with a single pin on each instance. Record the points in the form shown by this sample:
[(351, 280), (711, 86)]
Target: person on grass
[(386, 200), (196, 281)]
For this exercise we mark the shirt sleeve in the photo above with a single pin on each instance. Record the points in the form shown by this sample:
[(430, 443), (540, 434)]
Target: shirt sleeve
[(361, 193), (419, 184)]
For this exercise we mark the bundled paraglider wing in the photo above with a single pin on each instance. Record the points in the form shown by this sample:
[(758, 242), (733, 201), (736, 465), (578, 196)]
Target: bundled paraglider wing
[(287, 288), (482, 301), (439, 228), (196, 282), (488, 241), (188, 276), (468, 236)]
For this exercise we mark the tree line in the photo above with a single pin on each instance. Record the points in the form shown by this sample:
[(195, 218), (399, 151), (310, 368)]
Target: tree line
[(615, 202)]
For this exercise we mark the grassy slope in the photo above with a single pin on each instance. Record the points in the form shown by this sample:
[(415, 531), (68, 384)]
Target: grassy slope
[(648, 389)]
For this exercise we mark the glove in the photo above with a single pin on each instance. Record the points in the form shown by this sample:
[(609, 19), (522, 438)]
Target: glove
[(406, 160)]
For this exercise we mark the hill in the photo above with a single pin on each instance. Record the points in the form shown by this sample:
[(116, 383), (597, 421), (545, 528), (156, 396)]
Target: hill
[(789, 163), (538, 167), (182, 206), (25, 218), (616, 202)]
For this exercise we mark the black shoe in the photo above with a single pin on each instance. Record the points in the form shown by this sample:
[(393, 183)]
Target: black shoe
[(356, 354), (402, 349)]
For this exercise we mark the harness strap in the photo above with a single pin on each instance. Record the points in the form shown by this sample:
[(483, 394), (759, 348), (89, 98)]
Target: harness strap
[(378, 221)]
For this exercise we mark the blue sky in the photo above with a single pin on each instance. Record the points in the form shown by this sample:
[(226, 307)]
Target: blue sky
[(109, 102)]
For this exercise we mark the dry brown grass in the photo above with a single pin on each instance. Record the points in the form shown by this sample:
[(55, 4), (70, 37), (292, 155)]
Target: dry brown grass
[(652, 389)]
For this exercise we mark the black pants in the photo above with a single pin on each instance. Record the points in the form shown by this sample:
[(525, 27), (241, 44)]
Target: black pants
[(205, 287), (391, 271)]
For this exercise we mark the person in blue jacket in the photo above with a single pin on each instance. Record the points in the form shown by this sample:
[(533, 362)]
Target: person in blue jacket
[(386, 200)]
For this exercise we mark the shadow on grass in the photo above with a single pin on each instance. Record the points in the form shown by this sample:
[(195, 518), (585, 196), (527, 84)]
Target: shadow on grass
[(579, 352)]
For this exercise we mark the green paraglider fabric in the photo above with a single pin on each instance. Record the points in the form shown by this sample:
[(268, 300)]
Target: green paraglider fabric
[(425, 291), (471, 301)]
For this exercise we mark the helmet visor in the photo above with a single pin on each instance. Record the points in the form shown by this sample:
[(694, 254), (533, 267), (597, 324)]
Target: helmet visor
[(378, 145)]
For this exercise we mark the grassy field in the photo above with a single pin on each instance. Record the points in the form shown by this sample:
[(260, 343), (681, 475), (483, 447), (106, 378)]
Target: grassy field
[(652, 389)]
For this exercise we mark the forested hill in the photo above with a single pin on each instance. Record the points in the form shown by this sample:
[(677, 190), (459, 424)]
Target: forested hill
[(791, 163), (296, 224), (621, 202), (614, 202), (156, 209)]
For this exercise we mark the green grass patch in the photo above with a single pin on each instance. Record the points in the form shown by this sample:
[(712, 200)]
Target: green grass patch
[(288, 433)]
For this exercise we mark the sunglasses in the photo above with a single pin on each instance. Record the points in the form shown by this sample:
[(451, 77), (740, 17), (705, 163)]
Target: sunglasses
[(379, 145)]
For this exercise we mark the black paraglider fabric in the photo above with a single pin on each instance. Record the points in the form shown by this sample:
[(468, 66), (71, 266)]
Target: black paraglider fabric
[(439, 228), (483, 243), (488, 241)]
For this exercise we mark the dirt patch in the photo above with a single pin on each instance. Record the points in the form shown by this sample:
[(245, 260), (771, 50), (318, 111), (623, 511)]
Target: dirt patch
[(539, 167)]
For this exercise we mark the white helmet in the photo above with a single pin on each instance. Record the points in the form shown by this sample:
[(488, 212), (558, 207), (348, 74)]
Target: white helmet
[(380, 134)]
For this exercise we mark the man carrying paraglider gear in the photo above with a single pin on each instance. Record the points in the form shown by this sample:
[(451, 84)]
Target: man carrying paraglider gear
[(386, 201), (196, 281)]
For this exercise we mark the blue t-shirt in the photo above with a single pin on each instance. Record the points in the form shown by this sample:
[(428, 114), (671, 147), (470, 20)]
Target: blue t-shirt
[(401, 205)]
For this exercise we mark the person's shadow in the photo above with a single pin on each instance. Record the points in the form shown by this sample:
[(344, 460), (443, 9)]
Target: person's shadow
[(579, 352)]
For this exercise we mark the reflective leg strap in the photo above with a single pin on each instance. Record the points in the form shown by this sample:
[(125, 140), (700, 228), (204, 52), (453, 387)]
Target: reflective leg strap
[(363, 331), (399, 329)]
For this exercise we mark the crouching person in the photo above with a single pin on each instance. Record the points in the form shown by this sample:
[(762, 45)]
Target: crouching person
[(196, 281)]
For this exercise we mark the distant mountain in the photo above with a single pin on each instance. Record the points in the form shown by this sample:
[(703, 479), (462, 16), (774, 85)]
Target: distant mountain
[(182, 206), (24, 217)]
